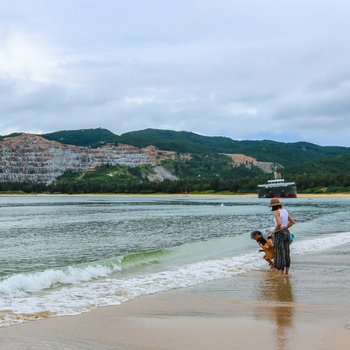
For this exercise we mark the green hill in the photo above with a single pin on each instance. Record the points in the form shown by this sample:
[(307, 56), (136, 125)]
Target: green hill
[(188, 142), (265, 150), (314, 168), (331, 165), (209, 166), (326, 175), (83, 137)]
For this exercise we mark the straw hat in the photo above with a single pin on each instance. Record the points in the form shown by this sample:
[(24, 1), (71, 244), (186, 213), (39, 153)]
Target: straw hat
[(274, 202)]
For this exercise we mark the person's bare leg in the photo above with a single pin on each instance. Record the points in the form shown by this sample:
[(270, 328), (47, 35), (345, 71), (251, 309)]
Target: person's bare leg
[(269, 261)]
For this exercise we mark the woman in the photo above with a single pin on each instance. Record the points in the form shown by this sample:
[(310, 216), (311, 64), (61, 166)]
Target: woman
[(283, 220)]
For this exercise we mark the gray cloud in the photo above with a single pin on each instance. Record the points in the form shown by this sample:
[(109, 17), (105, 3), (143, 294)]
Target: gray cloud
[(247, 70)]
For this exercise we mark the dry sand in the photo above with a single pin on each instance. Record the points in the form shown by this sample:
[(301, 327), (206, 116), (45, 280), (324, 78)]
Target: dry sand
[(324, 195)]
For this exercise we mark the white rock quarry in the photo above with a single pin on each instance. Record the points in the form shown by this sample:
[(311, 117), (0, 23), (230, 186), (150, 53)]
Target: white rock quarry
[(160, 174), (31, 158)]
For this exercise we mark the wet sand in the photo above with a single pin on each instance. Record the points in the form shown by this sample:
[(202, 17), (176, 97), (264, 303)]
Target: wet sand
[(310, 309)]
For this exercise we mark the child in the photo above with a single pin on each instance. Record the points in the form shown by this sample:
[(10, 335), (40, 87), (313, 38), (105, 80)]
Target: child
[(266, 246)]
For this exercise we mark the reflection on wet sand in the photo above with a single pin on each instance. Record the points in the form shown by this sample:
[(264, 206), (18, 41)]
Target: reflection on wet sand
[(278, 289)]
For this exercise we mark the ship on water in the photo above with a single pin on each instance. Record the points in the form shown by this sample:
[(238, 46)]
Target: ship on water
[(277, 188)]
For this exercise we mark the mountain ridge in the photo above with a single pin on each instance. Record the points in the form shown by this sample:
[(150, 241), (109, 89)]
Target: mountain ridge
[(189, 142), (128, 163)]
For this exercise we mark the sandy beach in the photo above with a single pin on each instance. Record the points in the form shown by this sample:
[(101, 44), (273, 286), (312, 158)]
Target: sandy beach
[(324, 195), (254, 195), (257, 310)]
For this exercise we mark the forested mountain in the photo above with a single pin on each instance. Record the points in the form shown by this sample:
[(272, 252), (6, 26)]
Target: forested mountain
[(321, 176), (97, 160), (330, 165), (83, 137), (188, 142)]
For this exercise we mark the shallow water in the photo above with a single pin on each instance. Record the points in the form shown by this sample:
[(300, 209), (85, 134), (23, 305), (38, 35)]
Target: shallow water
[(67, 255)]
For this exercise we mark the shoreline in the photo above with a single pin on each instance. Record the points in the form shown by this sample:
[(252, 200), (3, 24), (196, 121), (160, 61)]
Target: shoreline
[(300, 195), (323, 195)]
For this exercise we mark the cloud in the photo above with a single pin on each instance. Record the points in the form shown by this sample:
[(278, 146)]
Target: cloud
[(244, 70)]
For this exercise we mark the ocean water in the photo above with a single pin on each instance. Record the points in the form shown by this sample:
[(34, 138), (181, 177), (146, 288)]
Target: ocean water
[(68, 255)]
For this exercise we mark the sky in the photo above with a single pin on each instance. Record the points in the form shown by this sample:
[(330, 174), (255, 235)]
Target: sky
[(248, 70)]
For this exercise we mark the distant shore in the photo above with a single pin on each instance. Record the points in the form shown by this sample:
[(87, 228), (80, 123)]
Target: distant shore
[(323, 195), (300, 195)]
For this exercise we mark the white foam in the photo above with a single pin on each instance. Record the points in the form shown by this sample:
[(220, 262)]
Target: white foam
[(84, 293), (83, 297), (319, 244), (35, 282)]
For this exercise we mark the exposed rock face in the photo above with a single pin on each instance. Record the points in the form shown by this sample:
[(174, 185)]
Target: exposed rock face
[(242, 159), (31, 158), (161, 174)]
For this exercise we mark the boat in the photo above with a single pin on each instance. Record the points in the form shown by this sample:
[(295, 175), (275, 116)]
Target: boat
[(277, 188)]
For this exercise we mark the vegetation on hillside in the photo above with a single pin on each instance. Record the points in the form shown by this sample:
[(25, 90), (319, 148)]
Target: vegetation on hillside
[(83, 137), (77, 185), (265, 150), (209, 166), (331, 174), (314, 168), (210, 175), (339, 164), (188, 142)]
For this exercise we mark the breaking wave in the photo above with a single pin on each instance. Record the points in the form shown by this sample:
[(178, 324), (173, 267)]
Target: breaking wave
[(78, 289)]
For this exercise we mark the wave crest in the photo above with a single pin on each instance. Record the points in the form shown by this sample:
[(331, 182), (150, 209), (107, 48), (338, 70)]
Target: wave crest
[(38, 281)]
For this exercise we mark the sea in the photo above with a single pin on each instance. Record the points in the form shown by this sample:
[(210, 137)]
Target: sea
[(65, 255)]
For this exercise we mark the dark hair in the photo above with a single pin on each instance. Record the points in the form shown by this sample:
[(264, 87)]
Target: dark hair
[(275, 207), (254, 234)]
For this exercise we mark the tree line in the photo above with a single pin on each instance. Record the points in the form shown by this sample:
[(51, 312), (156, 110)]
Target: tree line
[(305, 183)]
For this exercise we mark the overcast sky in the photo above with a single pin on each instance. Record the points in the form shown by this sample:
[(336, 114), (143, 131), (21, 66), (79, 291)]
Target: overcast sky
[(252, 69)]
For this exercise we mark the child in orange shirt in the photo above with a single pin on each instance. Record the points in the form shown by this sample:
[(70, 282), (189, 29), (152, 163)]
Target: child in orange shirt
[(266, 245)]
